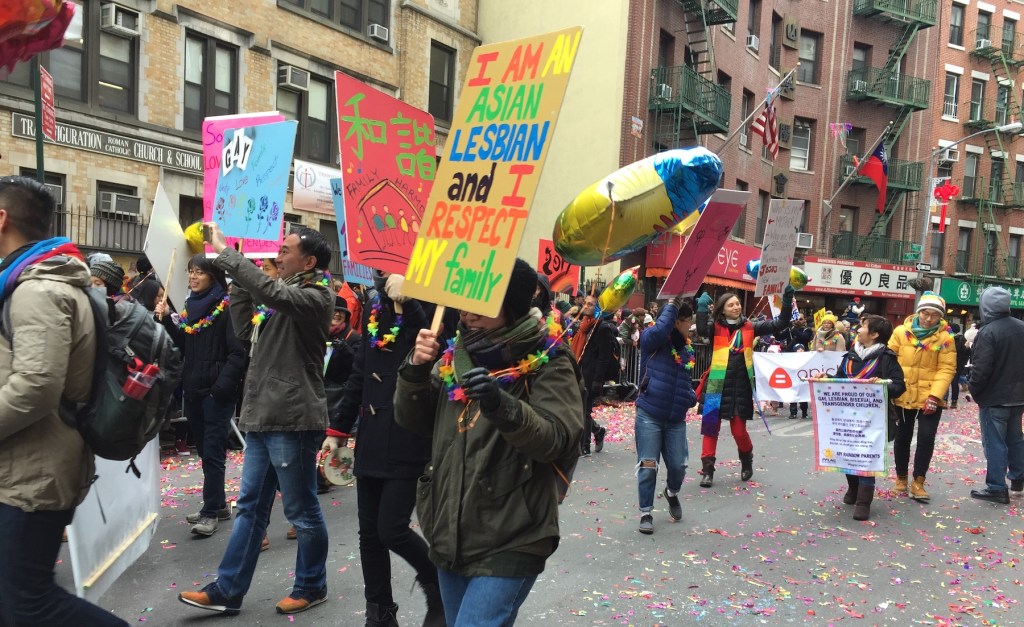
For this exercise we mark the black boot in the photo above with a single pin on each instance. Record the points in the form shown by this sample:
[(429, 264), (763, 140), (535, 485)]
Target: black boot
[(865, 494), (381, 615), (708, 471), (746, 466), (851, 490), (435, 607)]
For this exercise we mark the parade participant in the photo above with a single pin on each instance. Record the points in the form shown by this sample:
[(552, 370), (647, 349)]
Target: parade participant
[(45, 466), (632, 326), (107, 276), (388, 457), (593, 343), (666, 394), (828, 337), (869, 358), (926, 352), (501, 406), (797, 334), (214, 366), (284, 415), (998, 388), (729, 393), (798, 348), (853, 312), (353, 305)]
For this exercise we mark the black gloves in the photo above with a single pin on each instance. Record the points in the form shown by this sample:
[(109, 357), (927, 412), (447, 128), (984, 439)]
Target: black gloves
[(678, 301), (480, 386)]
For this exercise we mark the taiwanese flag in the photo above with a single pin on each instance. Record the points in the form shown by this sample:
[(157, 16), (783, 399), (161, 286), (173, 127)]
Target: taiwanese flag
[(876, 168)]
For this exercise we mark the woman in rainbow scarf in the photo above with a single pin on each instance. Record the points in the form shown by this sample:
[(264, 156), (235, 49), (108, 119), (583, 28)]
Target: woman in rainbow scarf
[(928, 355), (729, 391)]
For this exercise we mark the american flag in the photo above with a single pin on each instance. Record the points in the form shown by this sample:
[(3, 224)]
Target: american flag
[(767, 127)]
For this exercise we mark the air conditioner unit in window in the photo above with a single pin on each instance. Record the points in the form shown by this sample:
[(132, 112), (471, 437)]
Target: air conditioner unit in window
[(121, 206), (984, 43), (119, 20), (292, 77), (663, 92), (849, 169), (753, 42), (805, 240), (378, 32), (952, 155), (860, 85)]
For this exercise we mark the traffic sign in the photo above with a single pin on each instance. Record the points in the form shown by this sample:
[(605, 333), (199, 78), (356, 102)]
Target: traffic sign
[(915, 248), (924, 267), (911, 256)]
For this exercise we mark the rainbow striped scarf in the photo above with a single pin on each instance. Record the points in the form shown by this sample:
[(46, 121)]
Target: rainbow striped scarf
[(725, 343), (33, 254)]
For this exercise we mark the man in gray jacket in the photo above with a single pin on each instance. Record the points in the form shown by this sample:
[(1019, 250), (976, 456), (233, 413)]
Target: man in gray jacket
[(998, 388), (284, 415), (45, 466)]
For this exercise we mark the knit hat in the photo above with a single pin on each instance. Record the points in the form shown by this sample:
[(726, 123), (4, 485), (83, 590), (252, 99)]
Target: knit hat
[(519, 297), (828, 318), (110, 273), (931, 300)]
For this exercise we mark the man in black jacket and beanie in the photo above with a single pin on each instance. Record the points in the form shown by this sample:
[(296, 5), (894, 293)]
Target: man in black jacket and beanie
[(594, 347)]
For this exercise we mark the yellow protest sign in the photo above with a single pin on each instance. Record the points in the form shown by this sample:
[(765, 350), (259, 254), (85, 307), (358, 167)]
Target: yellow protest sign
[(483, 192), (818, 317)]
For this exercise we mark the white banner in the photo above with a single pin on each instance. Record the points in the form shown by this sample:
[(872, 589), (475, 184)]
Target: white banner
[(311, 187), (850, 420), (778, 247), (166, 239), (782, 376)]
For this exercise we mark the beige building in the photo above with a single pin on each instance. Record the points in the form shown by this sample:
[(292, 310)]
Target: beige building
[(136, 78)]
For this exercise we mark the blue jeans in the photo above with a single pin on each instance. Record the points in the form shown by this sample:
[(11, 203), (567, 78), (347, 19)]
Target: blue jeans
[(209, 420), (29, 546), (284, 460), (1003, 443), (656, 437), (482, 601)]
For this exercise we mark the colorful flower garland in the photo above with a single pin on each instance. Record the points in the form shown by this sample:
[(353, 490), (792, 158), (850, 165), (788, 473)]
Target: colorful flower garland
[(373, 328), (690, 359), (202, 323), (504, 376), (262, 312), (918, 344)]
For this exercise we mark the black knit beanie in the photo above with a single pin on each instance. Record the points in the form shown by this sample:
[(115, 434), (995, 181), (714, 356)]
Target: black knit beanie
[(519, 297)]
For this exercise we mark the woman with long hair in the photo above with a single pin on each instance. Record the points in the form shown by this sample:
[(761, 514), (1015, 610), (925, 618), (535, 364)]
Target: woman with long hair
[(729, 384)]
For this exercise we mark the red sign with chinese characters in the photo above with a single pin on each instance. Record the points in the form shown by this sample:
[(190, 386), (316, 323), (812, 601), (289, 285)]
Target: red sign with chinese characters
[(563, 276), (387, 170), (49, 115)]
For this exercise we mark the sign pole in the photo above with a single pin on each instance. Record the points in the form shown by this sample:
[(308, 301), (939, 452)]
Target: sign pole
[(37, 79)]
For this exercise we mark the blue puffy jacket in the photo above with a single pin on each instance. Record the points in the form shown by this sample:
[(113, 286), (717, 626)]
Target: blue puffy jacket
[(666, 390)]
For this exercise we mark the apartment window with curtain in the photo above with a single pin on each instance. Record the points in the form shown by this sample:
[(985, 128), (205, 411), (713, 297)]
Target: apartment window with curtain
[(211, 79), (1009, 36), (754, 18), (442, 77), (963, 250), (952, 95), (809, 49), (1003, 105), (1013, 256), (800, 153), (762, 216), (938, 245), (977, 99), (739, 230), (315, 112), (860, 57), (984, 32), (746, 108), (855, 142), (956, 25), (847, 219), (991, 249), (970, 175), (996, 182)]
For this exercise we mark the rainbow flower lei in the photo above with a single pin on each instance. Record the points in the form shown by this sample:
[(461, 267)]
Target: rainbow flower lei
[(373, 328), (690, 359), (504, 376), (202, 323), (262, 312), (919, 345)]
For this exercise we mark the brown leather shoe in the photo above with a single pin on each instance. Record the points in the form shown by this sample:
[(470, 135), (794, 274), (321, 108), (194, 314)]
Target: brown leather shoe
[(900, 485), (300, 601), (265, 544), (291, 535), (917, 490)]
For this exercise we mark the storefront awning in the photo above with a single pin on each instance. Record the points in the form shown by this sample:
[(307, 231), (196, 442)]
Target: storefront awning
[(660, 273), (730, 283)]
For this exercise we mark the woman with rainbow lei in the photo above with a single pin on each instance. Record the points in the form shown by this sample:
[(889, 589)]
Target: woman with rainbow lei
[(666, 394), (925, 349), (827, 337), (501, 406)]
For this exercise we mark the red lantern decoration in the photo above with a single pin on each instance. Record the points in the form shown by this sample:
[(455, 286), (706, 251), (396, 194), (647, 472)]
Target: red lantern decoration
[(944, 193)]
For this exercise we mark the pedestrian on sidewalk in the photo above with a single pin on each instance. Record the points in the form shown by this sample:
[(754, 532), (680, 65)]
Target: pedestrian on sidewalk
[(729, 382), (928, 356), (388, 457), (214, 366), (284, 415), (666, 394), (594, 346), (998, 388), (870, 358), (502, 406)]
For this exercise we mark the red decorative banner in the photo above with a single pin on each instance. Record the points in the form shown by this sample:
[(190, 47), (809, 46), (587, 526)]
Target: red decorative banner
[(564, 276)]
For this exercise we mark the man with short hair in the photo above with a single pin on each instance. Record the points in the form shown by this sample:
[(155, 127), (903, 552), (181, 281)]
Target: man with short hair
[(284, 414), (997, 387), (594, 346), (48, 353)]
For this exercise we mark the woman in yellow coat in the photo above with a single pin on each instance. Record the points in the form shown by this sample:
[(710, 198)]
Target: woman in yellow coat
[(925, 350)]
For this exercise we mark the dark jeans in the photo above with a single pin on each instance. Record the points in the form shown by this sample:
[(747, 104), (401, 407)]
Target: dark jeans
[(928, 427), (29, 597), (210, 420), (803, 409), (385, 511), (590, 426)]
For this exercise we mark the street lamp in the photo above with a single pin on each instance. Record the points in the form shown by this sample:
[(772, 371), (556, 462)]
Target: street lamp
[(1015, 127)]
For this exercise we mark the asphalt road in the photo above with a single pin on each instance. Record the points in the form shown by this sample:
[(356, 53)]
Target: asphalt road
[(781, 548)]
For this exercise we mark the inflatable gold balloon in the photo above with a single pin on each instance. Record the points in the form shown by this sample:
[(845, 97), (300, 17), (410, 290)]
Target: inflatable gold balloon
[(651, 196), (797, 277), (194, 237), (618, 291)]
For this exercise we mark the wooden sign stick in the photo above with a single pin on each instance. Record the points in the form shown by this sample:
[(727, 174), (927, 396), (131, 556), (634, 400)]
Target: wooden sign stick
[(167, 280), (435, 324)]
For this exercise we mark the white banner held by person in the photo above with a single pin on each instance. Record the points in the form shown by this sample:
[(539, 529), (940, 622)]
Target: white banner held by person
[(783, 376), (779, 245), (850, 421)]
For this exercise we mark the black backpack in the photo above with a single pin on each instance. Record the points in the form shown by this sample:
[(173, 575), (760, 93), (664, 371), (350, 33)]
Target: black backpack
[(114, 425)]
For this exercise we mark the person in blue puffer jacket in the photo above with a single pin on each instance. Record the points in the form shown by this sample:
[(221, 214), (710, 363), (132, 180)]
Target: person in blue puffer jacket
[(666, 394)]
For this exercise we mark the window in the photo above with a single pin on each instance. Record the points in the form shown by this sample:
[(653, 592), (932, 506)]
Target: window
[(1009, 36), (739, 230), (725, 81), (746, 108), (984, 29), (991, 248), (754, 18), (355, 14), (855, 142), (314, 110), (666, 49), (995, 191), (1013, 257), (938, 244), (977, 99), (847, 219), (762, 217), (970, 175), (442, 78), (963, 250), (116, 77), (1018, 176), (211, 76), (1003, 105), (775, 48), (800, 153), (949, 107), (861, 57), (329, 229), (53, 181), (956, 25), (117, 202), (807, 71), (944, 171)]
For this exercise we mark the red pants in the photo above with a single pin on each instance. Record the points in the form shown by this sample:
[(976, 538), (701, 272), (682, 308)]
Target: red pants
[(739, 433)]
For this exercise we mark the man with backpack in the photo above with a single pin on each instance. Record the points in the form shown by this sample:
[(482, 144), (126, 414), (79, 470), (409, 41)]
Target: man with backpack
[(595, 345), (46, 467)]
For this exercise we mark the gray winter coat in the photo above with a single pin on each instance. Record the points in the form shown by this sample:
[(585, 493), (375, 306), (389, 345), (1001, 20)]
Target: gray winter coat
[(997, 360)]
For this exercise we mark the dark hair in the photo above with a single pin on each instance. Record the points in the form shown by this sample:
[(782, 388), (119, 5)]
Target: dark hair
[(722, 300), (955, 328), (312, 243), (145, 293), (29, 204), (684, 311), (878, 324), (204, 263), (142, 265)]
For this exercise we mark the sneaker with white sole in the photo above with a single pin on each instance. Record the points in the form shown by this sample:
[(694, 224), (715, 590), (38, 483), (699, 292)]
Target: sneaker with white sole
[(210, 598), (300, 601), (223, 514), (205, 527)]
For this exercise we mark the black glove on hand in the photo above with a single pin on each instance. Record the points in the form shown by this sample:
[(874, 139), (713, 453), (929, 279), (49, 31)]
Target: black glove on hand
[(678, 301), (481, 387)]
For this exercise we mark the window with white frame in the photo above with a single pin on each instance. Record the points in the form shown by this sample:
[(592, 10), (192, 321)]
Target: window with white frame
[(952, 95), (800, 153)]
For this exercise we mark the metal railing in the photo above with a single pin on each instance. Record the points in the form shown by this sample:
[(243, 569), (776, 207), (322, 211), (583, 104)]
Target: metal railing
[(922, 11), (682, 87), (112, 232), (963, 261), (869, 248), (888, 86), (949, 108), (631, 362)]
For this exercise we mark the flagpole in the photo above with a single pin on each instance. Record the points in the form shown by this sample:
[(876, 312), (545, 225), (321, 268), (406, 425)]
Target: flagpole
[(756, 110)]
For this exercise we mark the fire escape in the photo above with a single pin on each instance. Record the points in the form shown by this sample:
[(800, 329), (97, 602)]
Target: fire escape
[(887, 86), (685, 101)]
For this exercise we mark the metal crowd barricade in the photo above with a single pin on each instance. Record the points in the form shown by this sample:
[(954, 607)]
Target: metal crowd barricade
[(631, 362)]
